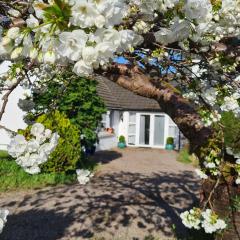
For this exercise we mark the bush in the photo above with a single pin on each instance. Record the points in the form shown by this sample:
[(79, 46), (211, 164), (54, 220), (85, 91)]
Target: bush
[(184, 156), (170, 140), (74, 96), (67, 155), (122, 139), (231, 130)]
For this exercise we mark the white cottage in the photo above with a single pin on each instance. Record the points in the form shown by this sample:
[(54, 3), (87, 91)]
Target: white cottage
[(139, 119)]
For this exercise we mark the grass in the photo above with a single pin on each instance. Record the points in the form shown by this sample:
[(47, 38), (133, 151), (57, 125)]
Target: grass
[(185, 157), (12, 177)]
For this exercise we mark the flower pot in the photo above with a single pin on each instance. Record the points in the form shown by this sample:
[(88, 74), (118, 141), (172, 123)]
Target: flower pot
[(121, 145), (110, 130), (169, 146)]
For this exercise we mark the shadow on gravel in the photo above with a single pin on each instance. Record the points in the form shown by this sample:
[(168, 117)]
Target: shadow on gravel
[(37, 224), (149, 204), (106, 156)]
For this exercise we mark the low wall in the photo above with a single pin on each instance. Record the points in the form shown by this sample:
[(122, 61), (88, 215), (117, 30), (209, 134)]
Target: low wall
[(106, 141)]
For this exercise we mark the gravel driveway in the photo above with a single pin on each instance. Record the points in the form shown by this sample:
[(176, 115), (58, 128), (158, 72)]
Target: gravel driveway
[(136, 192)]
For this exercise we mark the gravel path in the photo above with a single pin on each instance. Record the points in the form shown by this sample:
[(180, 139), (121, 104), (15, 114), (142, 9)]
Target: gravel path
[(135, 193)]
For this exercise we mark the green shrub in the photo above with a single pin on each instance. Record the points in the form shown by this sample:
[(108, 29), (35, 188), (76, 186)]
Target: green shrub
[(184, 156), (170, 140), (67, 155), (231, 130), (122, 139), (74, 96)]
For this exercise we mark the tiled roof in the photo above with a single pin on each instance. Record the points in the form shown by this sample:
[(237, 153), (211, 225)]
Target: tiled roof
[(116, 97)]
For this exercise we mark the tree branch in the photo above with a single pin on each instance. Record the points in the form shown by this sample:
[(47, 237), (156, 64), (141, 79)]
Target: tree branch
[(6, 96)]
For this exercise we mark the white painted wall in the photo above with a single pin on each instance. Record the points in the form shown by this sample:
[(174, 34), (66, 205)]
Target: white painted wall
[(13, 116), (123, 124), (106, 142)]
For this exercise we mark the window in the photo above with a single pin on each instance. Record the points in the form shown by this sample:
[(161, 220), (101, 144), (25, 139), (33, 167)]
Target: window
[(103, 122), (132, 129)]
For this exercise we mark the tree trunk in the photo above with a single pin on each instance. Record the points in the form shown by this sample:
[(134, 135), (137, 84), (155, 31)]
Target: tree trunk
[(222, 203)]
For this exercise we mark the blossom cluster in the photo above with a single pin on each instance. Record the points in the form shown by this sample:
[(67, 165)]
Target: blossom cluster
[(93, 32), (201, 174), (83, 176), (212, 162), (3, 218), (31, 153), (93, 42), (237, 165), (202, 22), (208, 220)]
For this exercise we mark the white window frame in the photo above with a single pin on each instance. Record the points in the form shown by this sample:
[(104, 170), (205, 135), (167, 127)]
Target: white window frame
[(107, 121), (132, 124)]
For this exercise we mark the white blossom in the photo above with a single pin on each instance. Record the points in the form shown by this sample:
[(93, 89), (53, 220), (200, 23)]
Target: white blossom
[(81, 68), (191, 219), (30, 154), (3, 218), (13, 32), (201, 11), (211, 223), (32, 22), (201, 174), (209, 164), (230, 104), (238, 180), (17, 146), (83, 176), (85, 14), (32, 146), (72, 44), (207, 219), (37, 129)]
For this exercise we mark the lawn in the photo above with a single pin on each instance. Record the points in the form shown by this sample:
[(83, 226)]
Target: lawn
[(12, 177), (185, 157)]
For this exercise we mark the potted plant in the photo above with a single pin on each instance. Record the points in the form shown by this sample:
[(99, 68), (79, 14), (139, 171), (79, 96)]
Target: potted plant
[(170, 143), (122, 142)]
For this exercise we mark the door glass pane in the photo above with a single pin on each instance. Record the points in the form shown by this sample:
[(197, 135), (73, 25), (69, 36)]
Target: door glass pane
[(159, 130), (144, 138)]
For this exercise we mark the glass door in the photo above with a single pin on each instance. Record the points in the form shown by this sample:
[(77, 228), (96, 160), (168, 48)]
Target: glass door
[(144, 134), (159, 122)]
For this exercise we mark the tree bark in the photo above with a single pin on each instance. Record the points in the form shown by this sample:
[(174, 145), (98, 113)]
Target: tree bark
[(222, 202)]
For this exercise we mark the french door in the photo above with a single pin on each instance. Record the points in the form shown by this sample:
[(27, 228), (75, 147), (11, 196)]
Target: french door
[(151, 130)]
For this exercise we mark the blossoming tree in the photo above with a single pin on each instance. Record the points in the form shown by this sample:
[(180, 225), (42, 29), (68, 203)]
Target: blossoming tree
[(182, 53)]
